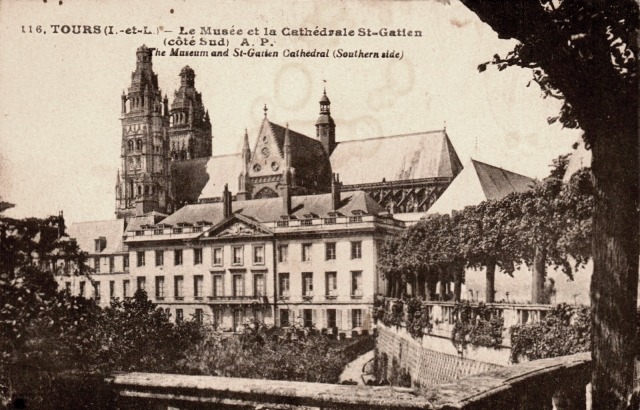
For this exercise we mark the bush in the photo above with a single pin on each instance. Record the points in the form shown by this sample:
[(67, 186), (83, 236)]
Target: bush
[(476, 325), (565, 330), (274, 353)]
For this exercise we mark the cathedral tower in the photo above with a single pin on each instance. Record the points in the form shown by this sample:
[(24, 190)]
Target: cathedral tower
[(325, 126), (142, 183), (190, 128)]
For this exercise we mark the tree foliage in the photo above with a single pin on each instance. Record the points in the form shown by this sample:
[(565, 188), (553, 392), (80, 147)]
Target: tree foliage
[(293, 353), (585, 54), (565, 330), (549, 224)]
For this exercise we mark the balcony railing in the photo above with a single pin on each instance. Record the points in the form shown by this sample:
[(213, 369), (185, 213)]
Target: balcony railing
[(236, 299)]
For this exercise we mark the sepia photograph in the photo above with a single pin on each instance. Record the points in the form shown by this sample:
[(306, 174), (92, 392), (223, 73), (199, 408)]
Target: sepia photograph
[(319, 205)]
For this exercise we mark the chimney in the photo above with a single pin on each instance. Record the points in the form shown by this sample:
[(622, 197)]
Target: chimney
[(335, 191), (226, 202)]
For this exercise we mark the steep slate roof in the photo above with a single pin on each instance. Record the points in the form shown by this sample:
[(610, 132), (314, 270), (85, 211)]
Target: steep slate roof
[(205, 177), (497, 183), (478, 182), (308, 157), (150, 218), (395, 158), (270, 209), (85, 234)]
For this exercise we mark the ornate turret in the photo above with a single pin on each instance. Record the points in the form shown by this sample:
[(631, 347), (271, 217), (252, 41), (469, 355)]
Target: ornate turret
[(325, 126), (190, 128)]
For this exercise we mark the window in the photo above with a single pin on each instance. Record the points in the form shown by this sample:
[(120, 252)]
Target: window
[(331, 281), (112, 264), (258, 285), (258, 316), (178, 287), (130, 145), (198, 284), (125, 288), (177, 257), (96, 264), (237, 319), (96, 290), (329, 251), (159, 258), (218, 287), (307, 315), (199, 315), (356, 250), (100, 244), (283, 285), (197, 256), (141, 283), (283, 253), (238, 286), (306, 252), (140, 256), (217, 317), (216, 257), (82, 285), (356, 318), (159, 287), (258, 255), (356, 283), (237, 255), (112, 289), (179, 315), (125, 263), (284, 318), (307, 284), (331, 319)]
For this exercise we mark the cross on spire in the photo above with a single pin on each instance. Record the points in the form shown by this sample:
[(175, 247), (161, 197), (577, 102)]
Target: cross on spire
[(265, 109)]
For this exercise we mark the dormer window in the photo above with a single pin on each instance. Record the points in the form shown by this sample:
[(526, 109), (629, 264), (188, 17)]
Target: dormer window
[(100, 243)]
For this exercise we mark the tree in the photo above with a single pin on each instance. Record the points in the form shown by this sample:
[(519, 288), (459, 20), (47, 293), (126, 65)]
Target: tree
[(584, 53), (485, 241)]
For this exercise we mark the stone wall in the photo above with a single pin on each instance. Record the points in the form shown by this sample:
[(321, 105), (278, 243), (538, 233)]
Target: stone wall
[(399, 356)]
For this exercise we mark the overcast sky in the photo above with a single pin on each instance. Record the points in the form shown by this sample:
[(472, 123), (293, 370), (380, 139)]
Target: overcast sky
[(60, 94)]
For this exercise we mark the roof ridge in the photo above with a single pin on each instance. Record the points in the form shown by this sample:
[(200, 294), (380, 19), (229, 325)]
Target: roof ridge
[(394, 136), (96, 221), (500, 168)]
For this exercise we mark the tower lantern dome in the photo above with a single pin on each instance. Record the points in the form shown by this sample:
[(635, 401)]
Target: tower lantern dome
[(325, 126)]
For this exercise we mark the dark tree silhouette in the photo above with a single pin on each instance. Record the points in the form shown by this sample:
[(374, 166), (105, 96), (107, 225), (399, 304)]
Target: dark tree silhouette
[(584, 53)]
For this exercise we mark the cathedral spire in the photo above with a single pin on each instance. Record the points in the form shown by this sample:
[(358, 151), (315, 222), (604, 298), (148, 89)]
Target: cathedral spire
[(287, 148)]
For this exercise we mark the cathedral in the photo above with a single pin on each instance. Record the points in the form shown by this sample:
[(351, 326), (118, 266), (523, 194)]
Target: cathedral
[(286, 231), (167, 161)]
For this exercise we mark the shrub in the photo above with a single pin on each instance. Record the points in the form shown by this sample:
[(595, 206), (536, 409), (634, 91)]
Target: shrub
[(476, 325), (565, 330)]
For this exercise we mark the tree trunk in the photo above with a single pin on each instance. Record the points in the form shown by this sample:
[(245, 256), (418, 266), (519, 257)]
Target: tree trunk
[(538, 276), (490, 289), (614, 282), (457, 283)]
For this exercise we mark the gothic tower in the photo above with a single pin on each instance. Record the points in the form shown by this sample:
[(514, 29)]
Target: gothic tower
[(325, 126), (189, 125), (143, 183)]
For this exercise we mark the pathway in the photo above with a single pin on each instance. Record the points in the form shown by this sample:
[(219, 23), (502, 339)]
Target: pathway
[(353, 370)]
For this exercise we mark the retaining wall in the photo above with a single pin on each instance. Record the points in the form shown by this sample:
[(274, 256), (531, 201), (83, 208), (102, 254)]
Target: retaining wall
[(426, 367)]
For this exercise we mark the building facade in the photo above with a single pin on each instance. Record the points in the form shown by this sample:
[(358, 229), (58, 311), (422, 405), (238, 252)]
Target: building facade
[(286, 231)]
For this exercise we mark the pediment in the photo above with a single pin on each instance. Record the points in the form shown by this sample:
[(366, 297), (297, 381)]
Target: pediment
[(235, 227)]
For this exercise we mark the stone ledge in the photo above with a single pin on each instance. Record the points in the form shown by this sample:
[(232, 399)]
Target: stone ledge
[(242, 392), (473, 389)]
